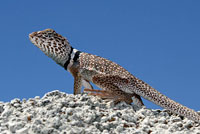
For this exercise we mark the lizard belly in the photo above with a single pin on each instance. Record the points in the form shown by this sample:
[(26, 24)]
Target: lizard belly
[(88, 74)]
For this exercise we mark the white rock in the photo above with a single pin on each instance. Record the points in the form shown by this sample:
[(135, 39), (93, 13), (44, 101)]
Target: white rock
[(22, 130), (58, 112)]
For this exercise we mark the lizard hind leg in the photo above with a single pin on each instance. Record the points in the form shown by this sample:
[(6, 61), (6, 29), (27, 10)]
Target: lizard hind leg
[(117, 96), (137, 100), (114, 91)]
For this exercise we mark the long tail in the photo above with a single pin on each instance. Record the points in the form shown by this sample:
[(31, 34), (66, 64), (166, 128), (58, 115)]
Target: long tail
[(156, 97)]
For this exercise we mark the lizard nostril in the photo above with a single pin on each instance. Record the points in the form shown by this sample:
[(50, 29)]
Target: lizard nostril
[(32, 34)]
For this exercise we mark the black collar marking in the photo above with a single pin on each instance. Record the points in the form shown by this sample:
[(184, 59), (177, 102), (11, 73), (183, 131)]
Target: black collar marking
[(76, 56), (69, 58)]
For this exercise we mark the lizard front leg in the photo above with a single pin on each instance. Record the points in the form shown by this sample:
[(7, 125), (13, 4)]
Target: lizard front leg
[(77, 80), (77, 84)]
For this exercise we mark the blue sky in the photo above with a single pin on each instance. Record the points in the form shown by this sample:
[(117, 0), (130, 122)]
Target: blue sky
[(157, 41)]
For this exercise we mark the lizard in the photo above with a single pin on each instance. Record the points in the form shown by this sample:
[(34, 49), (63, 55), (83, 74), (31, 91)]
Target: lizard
[(116, 82)]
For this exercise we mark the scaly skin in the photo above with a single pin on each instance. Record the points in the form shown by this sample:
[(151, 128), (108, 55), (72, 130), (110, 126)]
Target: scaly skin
[(115, 81)]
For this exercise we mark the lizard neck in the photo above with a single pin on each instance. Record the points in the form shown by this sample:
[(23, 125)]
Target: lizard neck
[(73, 58)]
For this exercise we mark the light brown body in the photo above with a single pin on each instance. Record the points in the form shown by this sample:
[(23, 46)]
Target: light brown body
[(103, 73), (115, 81)]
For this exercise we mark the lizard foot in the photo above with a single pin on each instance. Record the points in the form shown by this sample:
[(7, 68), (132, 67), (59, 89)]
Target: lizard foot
[(108, 95)]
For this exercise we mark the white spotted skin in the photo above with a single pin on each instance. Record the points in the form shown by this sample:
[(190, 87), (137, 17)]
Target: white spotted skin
[(92, 65)]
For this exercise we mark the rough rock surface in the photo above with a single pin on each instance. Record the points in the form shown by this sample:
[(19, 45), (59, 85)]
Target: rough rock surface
[(61, 113)]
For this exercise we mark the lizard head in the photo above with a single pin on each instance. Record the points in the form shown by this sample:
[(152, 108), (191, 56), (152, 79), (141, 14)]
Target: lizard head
[(52, 44)]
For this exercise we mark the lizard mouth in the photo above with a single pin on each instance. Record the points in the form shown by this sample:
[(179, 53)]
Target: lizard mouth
[(34, 34), (31, 35), (37, 38)]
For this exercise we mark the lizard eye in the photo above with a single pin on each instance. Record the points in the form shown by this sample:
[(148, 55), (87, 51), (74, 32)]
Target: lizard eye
[(49, 35)]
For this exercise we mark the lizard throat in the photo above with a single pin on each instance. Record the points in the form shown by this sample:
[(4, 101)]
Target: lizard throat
[(73, 57)]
